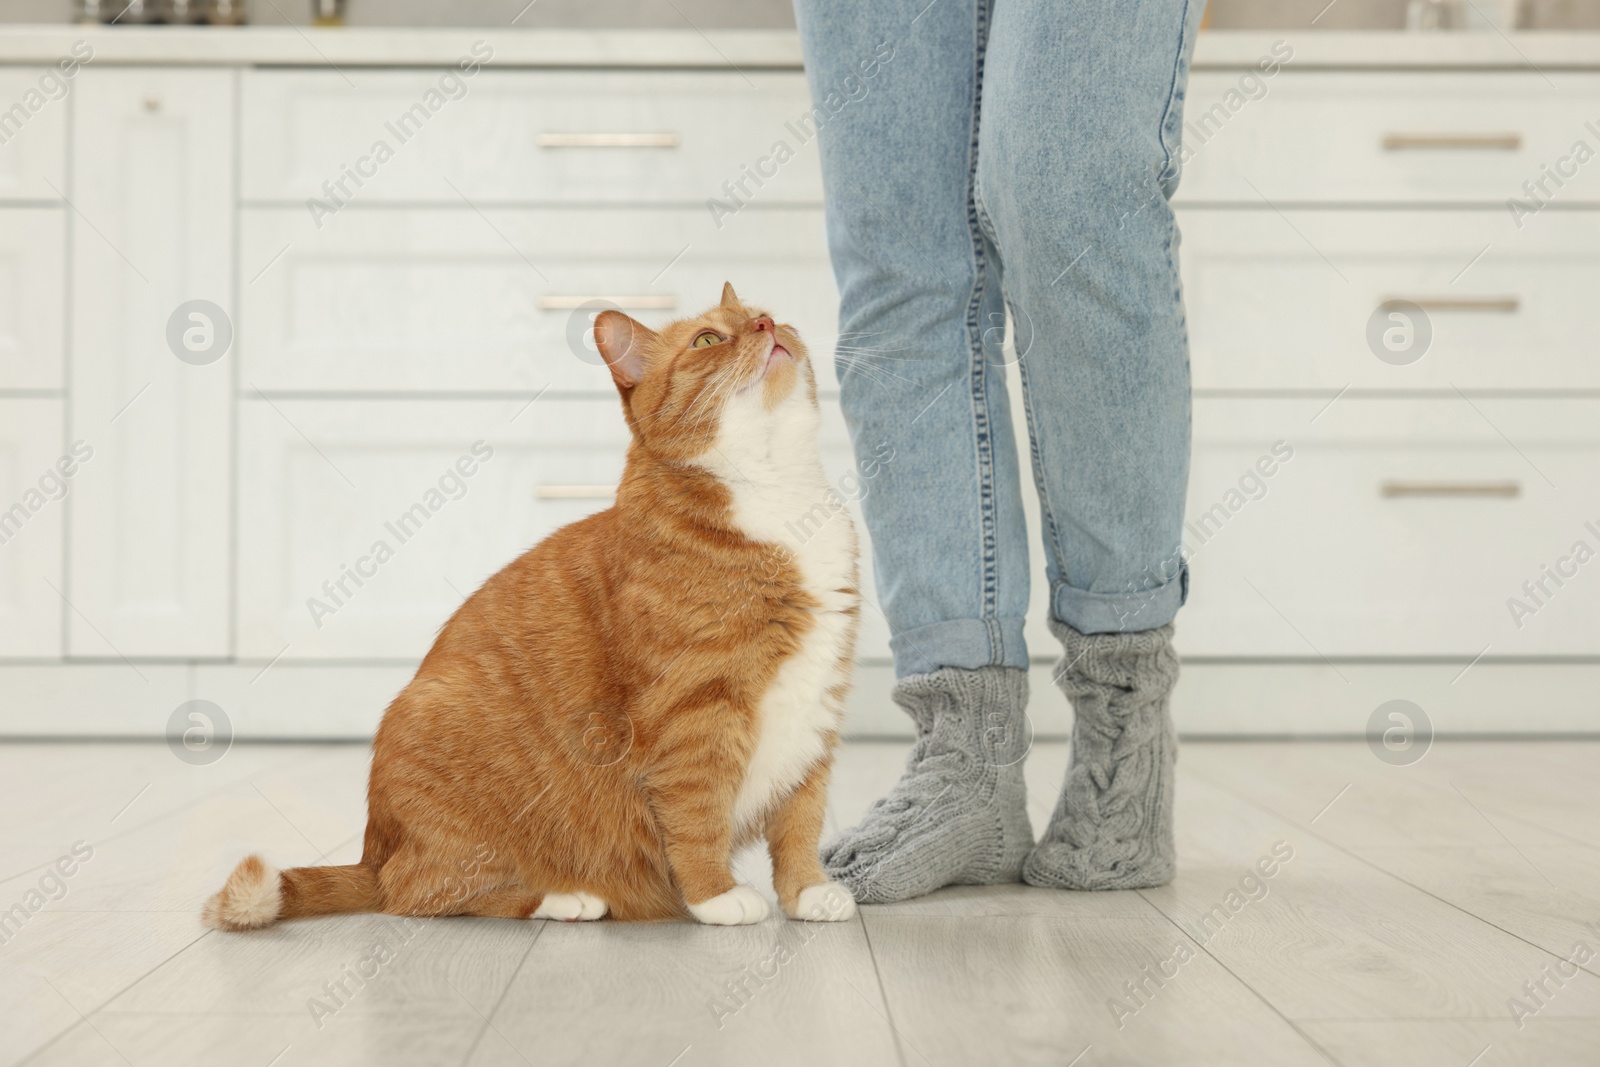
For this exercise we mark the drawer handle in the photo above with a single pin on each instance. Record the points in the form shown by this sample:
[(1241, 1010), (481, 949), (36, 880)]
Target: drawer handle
[(609, 140), (1498, 490), (1483, 142), (575, 492), (638, 303), (1508, 305)]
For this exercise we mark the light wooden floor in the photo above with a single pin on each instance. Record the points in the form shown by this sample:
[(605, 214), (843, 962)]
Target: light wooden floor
[(1418, 902)]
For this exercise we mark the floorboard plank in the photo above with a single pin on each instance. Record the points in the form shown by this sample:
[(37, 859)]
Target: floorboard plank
[(778, 992), (1518, 876), (175, 860), (1459, 1042), (340, 965), (1344, 791), (1328, 936), (62, 966), (1543, 894), (97, 791), (1041, 990), (238, 1040)]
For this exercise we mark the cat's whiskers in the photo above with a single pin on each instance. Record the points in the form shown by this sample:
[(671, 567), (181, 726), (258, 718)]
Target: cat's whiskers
[(880, 353), (712, 394), (726, 387), (856, 341), (868, 369), (670, 406), (853, 335)]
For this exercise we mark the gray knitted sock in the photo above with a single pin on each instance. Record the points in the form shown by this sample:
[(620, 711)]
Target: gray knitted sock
[(1112, 828), (959, 814)]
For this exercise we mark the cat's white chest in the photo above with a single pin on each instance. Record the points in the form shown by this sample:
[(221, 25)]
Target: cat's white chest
[(797, 715), (782, 498)]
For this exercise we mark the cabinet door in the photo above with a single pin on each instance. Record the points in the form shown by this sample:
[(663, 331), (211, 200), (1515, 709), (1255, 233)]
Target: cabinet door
[(1385, 137), (32, 297), (1304, 299), (547, 136), (432, 300), (33, 133), (31, 510), (1393, 527), (356, 540), (363, 523), (152, 185)]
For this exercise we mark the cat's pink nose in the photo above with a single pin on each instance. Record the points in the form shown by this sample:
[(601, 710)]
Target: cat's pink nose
[(763, 323)]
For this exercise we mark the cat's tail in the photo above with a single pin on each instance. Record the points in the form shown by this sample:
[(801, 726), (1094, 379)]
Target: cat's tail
[(257, 894)]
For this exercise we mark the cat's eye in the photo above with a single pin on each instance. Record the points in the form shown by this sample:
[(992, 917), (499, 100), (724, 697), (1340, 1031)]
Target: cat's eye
[(705, 339)]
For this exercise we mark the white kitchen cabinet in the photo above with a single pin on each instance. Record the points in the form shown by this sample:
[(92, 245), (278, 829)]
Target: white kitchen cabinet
[(324, 483), (150, 538), (1395, 528), (619, 137), (1284, 302), (33, 133), (444, 300), (32, 516), (1391, 137), (32, 297)]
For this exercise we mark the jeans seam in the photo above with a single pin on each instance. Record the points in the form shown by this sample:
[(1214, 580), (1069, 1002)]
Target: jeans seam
[(1175, 98), (980, 406), (984, 227), (985, 224), (1051, 528), (1174, 94)]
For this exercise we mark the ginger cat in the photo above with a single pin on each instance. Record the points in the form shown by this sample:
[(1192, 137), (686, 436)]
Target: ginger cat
[(601, 725)]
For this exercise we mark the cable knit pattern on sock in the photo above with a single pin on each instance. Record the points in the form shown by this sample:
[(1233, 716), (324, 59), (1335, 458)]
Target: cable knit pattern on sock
[(1112, 828), (959, 814)]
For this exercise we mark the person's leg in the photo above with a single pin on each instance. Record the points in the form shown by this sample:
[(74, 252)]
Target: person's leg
[(1078, 154), (896, 87)]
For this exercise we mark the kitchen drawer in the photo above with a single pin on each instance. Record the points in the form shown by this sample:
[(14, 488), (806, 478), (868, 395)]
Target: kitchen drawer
[(324, 482), (1285, 301), (33, 133), (32, 518), (32, 297), (444, 300), (527, 137), (1363, 137), (1397, 527)]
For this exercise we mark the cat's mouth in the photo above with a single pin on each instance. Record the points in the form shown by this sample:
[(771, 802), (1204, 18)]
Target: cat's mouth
[(776, 355)]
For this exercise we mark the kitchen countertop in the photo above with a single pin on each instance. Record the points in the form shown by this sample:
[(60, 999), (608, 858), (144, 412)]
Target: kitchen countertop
[(745, 49)]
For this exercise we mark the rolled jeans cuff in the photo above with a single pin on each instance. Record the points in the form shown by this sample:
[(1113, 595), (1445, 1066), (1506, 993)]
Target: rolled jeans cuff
[(965, 643), (1104, 613)]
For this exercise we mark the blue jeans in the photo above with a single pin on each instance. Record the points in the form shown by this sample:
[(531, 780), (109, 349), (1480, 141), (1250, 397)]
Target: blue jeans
[(986, 155)]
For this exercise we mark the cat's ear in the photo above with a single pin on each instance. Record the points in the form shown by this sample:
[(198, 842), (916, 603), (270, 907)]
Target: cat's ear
[(730, 299), (621, 341)]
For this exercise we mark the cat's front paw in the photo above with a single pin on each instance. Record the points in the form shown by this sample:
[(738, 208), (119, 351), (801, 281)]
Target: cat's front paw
[(571, 907), (739, 906), (829, 902)]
